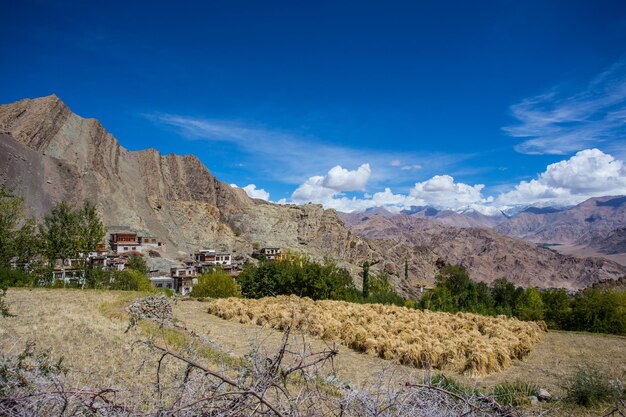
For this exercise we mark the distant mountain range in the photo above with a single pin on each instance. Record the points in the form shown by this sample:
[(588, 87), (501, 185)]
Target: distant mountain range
[(49, 154), (596, 226)]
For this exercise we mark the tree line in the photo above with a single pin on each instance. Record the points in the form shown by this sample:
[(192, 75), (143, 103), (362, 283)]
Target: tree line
[(593, 309)]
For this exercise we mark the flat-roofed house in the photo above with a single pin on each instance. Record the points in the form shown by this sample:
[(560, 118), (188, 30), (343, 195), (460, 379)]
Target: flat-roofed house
[(185, 277), (163, 282), (269, 253), (123, 242)]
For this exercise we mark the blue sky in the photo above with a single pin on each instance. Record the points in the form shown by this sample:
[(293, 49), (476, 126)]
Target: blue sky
[(455, 104)]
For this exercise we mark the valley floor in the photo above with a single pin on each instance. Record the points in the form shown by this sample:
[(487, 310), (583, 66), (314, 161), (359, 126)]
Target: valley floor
[(73, 325), (585, 252)]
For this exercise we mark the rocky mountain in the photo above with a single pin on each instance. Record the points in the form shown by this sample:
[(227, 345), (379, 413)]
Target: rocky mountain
[(588, 224), (485, 253), (468, 218), (49, 154), (593, 227)]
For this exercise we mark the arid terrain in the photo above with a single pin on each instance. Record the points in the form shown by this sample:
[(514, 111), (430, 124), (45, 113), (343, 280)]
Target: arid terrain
[(88, 329)]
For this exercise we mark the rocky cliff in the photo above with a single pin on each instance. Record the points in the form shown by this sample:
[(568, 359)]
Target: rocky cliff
[(49, 154)]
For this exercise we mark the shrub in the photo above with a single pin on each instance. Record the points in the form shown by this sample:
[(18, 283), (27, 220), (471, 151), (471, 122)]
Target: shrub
[(14, 278), (216, 284), (515, 393), (589, 387), (131, 280), (137, 263), (4, 309), (451, 384)]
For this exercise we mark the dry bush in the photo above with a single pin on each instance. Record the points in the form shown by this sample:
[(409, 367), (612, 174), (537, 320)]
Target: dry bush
[(462, 342)]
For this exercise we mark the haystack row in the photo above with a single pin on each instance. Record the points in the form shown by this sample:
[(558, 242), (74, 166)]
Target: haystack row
[(462, 342)]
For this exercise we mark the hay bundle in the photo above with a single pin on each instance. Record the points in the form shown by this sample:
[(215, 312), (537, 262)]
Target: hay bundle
[(462, 342)]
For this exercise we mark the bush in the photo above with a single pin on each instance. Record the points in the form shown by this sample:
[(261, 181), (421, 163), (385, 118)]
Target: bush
[(589, 387), (216, 284), (297, 274), (131, 280), (515, 393), (451, 384), (14, 278), (4, 309)]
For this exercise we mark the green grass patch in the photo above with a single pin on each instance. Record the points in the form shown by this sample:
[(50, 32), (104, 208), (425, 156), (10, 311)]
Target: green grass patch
[(450, 384), (514, 393)]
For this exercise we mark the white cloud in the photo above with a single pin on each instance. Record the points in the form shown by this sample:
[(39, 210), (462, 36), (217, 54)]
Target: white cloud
[(589, 173), (439, 191), (442, 191), (324, 189), (254, 192), (556, 123), (413, 167), (341, 179), (299, 156)]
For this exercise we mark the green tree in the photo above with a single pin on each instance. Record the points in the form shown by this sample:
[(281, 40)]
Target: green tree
[(462, 289), (382, 292), (602, 311), (11, 209), (406, 270), (530, 305), (485, 299), (557, 308), (216, 284), (137, 263), (438, 299), (60, 233), (90, 229), (17, 235), (504, 296), (299, 275)]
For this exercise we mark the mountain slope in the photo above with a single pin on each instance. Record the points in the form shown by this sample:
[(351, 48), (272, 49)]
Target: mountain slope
[(485, 253), (51, 155), (586, 224)]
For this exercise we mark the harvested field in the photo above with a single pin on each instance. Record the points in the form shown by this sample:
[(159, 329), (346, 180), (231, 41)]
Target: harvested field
[(462, 342)]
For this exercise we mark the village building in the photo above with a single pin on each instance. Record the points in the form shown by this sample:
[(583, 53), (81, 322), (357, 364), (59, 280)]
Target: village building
[(123, 242), (163, 282), (271, 254), (149, 242), (185, 277)]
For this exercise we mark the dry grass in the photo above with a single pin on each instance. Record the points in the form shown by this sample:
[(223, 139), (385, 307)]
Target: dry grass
[(461, 342)]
